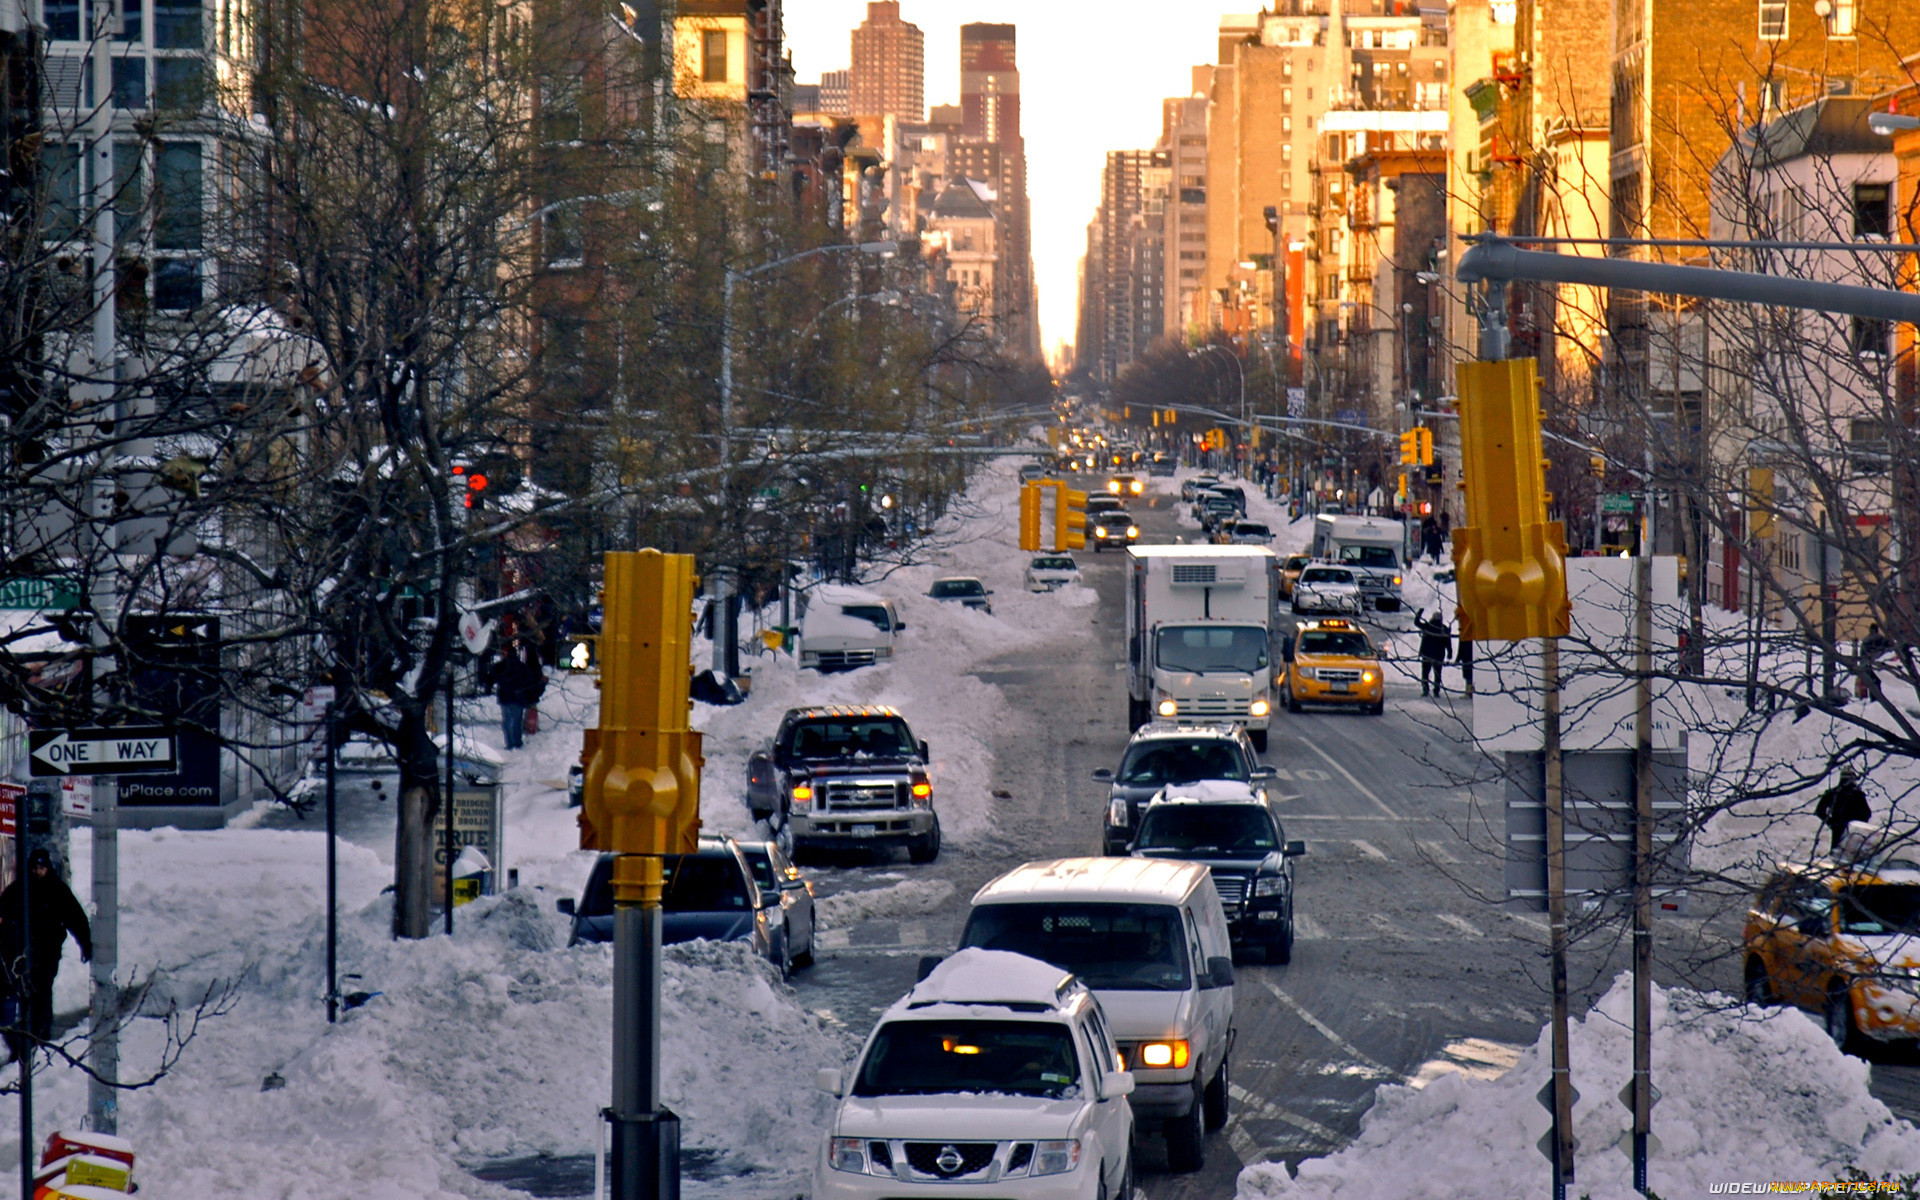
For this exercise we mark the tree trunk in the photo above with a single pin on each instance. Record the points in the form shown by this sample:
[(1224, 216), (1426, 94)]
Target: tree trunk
[(413, 832)]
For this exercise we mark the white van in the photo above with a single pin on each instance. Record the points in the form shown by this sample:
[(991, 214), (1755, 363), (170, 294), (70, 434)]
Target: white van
[(1150, 938), (846, 627)]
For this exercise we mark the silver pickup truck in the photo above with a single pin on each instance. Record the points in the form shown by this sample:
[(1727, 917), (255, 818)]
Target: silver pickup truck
[(843, 776)]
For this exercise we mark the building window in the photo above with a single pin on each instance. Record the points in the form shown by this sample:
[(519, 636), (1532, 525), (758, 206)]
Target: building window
[(176, 25), (180, 83), (130, 81), (63, 20), (179, 206), (1872, 338), (1286, 68), (176, 284), (1286, 124), (60, 171), (565, 244), (1872, 210), (1286, 97), (1773, 20), (1840, 18), (713, 56)]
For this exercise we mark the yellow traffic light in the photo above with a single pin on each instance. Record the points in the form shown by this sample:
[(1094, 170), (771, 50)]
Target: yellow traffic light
[(1510, 561), (642, 787), (1409, 447), (1597, 465), (1030, 515), (1760, 502), (1423, 445), (1069, 518)]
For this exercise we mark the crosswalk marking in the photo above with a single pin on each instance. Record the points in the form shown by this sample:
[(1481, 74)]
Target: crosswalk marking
[(1461, 923), (1437, 851), (1306, 929), (1258, 1106), (1354, 1052), (1386, 927), (1368, 848)]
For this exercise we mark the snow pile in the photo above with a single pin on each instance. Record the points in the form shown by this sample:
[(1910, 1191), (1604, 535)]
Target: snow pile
[(1729, 1084)]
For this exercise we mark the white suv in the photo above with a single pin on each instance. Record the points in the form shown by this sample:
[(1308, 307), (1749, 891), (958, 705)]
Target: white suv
[(996, 1070)]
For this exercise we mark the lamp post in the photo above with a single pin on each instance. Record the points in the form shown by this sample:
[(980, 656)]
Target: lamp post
[(726, 640), (1240, 370)]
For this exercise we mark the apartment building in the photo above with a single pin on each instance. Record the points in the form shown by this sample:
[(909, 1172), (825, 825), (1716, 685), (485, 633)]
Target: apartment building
[(889, 64), (1183, 139)]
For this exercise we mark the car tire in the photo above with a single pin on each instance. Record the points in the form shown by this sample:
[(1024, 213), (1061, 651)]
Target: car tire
[(1760, 991), (1293, 701), (1280, 953), (1839, 1022), (923, 850), (1378, 708), (1297, 610), (1259, 739), (805, 958), (1187, 1139), (1136, 713), (784, 960), (1215, 1100)]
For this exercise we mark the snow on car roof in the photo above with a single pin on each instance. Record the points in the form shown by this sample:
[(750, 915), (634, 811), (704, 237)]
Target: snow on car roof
[(1206, 791), (840, 593), (1095, 879), (976, 976)]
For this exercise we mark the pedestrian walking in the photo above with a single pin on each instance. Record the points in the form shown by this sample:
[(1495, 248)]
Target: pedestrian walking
[(1842, 804), (1873, 647), (1436, 643), (1464, 659), (52, 914), (520, 682)]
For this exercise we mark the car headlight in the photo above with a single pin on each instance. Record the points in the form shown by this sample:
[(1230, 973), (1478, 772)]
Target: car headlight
[(1270, 885), (1368, 676), (1117, 813), (1100, 532), (1055, 1158), (1305, 673), (860, 1156), (1396, 581), (1259, 707), (1168, 707), (1173, 1052), (1133, 531)]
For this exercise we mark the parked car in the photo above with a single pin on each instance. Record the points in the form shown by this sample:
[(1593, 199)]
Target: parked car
[(1326, 589), (1242, 533), (1290, 570), (779, 878), (708, 894), (847, 627), (1166, 753), (963, 590), (1033, 470), (1115, 528), (1842, 942), (998, 1071), (1231, 830), (845, 776), (1045, 572), (1126, 486), (1161, 464), (1213, 509), (1192, 487), (1150, 938)]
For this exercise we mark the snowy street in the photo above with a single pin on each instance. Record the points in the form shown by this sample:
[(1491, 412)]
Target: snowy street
[(479, 1068)]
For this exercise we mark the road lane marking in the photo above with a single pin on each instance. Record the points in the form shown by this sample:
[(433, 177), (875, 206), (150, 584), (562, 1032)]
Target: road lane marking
[(1437, 851), (1368, 848), (1326, 1031), (1387, 928), (1307, 929), (1363, 789), (1244, 1147), (834, 939), (1273, 1112), (1539, 923), (1461, 923)]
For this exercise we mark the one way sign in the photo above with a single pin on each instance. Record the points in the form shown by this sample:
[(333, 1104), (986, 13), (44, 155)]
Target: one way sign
[(121, 751)]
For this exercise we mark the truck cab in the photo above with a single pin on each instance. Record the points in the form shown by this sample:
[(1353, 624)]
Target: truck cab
[(1199, 642), (1374, 548)]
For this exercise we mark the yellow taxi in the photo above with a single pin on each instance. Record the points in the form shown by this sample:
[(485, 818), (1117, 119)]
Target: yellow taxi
[(1842, 941), (1332, 661), (1290, 570)]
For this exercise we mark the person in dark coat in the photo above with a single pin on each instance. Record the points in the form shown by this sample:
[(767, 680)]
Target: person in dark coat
[(52, 913), (1464, 659), (1842, 804), (1436, 643), (519, 682)]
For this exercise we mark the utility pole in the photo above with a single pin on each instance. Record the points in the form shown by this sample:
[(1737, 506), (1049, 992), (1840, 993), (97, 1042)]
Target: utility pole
[(1639, 1095)]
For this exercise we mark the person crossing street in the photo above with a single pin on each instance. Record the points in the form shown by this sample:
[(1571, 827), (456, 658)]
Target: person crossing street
[(52, 912)]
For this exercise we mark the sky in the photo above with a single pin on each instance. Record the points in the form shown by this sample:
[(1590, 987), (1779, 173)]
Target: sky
[(1091, 80)]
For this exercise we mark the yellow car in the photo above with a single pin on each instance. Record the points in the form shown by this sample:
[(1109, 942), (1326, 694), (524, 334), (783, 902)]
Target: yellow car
[(1290, 571), (1842, 941), (1332, 661)]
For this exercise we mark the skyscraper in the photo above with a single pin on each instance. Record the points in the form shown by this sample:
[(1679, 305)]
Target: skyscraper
[(889, 65), (836, 92), (990, 117), (990, 82)]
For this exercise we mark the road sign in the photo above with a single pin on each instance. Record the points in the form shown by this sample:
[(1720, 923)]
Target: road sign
[(12, 798), (130, 750), (1616, 502), (475, 632), (25, 592)]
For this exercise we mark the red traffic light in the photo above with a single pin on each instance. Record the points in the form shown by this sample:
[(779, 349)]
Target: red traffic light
[(476, 483)]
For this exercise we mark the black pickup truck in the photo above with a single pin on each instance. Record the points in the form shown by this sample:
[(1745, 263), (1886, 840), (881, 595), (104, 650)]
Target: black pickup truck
[(842, 776)]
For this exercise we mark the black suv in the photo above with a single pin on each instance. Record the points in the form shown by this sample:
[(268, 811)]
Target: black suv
[(1231, 830), (1165, 753), (846, 776)]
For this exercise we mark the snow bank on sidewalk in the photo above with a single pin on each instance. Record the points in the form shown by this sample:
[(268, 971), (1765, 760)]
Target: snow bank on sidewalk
[(1741, 1098)]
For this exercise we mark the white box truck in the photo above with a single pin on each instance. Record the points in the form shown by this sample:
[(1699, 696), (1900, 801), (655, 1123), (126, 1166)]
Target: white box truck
[(1374, 547), (1200, 623)]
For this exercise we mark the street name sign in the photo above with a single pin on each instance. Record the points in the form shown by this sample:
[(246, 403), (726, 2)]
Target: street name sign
[(35, 593), (142, 749)]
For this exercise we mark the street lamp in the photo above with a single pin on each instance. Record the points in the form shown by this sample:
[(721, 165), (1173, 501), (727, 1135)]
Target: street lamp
[(1886, 124), (1242, 371), (726, 648)]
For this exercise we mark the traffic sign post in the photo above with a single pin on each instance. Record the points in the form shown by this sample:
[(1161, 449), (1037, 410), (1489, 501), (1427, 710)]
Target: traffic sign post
[(130, 750)]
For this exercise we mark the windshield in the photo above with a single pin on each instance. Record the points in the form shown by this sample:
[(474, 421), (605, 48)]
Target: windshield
[(703, 883), (948, 589), (1353, 644), (1204, 648), (1251, 529), (1053, 564), (926, 1058), (850, 737), (1870, 908), (1325, 575), (1368, 556), (1122, 947), (874, 613), (1159, 763), (1298, 562), (1116, 517), (1238, 830)]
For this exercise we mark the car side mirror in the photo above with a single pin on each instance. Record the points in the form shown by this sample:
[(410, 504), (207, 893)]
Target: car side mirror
[(1103, 775), (1219, 972), (564, 905), (899, 626), (1294, 849), (1115, 1084), (830, 1081), (989, 591), (926, 755), (770, 897), (1265, 774)]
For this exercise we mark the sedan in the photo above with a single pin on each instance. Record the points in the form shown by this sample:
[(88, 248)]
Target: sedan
[(1326, 589), (1242, 533), (963, 590), (1049, 571), (1212, 510), (1125, 486), (1113, 529), (781, 882), (1199, 483)]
